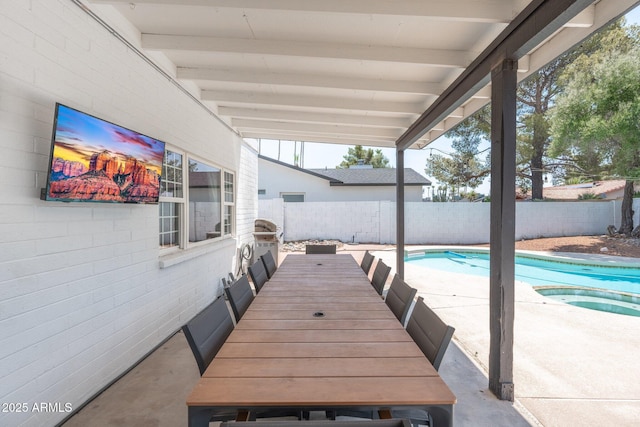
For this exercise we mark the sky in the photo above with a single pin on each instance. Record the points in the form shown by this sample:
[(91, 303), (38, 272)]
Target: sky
[(80, 135), (320, 156)]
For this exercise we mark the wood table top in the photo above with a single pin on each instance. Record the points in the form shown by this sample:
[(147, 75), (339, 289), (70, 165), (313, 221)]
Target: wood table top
[(330, 392), (282, 353)]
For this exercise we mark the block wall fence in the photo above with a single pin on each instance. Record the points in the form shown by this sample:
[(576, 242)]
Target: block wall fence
[(437, 223)]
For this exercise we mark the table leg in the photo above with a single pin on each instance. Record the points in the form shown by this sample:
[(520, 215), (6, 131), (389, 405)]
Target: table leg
[(442, 415), (199, 416)]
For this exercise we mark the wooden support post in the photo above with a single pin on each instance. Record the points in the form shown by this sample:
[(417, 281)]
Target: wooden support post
[(400, 212), (502, 233)]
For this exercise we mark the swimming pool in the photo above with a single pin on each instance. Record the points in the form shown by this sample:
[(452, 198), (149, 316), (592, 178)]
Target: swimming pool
[(594, 299), (536, 271)]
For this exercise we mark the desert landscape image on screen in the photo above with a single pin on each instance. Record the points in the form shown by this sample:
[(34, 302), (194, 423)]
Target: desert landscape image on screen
[(94, 160)]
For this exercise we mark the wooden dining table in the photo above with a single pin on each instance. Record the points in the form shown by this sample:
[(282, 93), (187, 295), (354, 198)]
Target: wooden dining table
[(319, 337)]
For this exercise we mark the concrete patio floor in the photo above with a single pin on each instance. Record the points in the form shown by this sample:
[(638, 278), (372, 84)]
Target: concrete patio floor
[(572, 366)]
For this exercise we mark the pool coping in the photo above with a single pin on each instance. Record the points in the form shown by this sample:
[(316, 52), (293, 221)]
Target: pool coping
[(612, 295), (564, 257)]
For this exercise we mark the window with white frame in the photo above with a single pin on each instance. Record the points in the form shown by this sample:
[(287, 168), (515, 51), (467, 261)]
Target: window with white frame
[(204, 211), (292, 197), (171, 200), (205, 201), (229, 203)]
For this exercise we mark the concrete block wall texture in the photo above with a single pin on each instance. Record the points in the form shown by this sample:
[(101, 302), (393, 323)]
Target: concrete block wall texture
[(547, 219), (273, 210), (345, 221), (246, 195), (439, 223), (617, 213), (82, 294)]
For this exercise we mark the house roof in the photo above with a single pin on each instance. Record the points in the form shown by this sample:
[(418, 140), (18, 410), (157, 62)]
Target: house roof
[(373, 176), (573, 192), (361, 177)]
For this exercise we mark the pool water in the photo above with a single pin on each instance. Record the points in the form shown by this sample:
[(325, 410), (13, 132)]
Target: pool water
[(611, 302), (537, 272)]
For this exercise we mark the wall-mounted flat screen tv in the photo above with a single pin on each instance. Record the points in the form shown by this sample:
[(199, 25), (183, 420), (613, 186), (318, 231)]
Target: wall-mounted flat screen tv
[(93, 160)]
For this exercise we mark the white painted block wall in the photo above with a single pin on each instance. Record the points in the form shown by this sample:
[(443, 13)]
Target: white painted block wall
[(82, 296), (273, 210), (438, 223), (345, 221)]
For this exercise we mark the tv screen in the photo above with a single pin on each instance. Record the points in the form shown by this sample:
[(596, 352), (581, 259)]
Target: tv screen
[(97, 161)]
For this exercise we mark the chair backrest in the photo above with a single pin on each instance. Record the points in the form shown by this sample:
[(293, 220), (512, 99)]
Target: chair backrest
[(395, 422), (430, 333), (320, 249), (258, 275), (269, 263), (400, 297), (240, 296), (367, 262), (380, 275), (207, 331)]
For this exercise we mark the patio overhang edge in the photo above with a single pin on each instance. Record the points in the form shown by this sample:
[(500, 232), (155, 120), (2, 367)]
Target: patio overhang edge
[(531, 27)]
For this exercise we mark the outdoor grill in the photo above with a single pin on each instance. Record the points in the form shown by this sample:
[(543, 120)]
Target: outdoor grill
[(265, 238)]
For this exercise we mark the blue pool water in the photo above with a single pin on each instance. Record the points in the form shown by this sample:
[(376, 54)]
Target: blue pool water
[(595, 299), (537, 272)]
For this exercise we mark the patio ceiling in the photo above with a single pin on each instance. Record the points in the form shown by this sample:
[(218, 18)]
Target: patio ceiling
[(336, 71)]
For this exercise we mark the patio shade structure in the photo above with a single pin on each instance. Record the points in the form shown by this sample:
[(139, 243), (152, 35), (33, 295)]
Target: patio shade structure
[(371, 72)]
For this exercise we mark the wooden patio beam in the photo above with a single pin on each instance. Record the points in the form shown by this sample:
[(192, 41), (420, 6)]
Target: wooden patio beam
[(539, 20)]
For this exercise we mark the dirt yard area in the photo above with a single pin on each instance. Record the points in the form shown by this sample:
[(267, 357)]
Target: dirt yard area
[(604, 245)]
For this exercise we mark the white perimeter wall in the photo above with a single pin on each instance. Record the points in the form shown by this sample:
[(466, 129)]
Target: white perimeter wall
[(437, 223), (82, 294)]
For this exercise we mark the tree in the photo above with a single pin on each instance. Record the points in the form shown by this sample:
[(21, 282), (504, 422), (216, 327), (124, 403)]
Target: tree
[(535, 96), (368, 157), (463, 168), (597, 118)]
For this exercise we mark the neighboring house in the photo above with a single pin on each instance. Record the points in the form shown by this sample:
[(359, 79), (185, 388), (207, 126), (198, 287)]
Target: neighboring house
[(613, 189), (277, 179)]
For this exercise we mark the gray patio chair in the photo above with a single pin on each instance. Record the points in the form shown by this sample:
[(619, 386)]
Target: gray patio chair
[(399, 298), (367, 262), (433, 337), (258, 275), (240, 296), (323, 423), (269, 264), (320, 249), (207, 331), (430, 333), (380, 275)]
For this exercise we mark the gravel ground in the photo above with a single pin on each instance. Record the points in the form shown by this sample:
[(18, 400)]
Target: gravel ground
[(603, 245)]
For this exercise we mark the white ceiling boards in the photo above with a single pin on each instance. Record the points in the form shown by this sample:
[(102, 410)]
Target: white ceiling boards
[(338, 71)]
